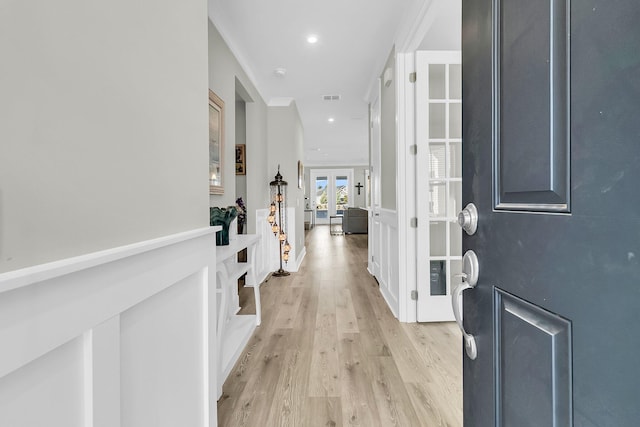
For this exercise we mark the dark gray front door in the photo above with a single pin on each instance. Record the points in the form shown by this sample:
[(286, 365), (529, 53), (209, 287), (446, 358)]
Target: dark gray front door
[(551, 136)]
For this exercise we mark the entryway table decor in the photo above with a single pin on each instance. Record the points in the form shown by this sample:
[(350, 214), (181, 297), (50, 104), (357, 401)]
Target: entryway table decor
[(222, 217)]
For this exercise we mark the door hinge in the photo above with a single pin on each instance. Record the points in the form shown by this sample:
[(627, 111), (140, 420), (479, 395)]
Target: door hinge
[(414, 222), (413, 149), (412, 77), (414, 295)]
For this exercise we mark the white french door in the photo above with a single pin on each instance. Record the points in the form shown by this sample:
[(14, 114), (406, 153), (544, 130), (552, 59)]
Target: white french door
[(375, 233), (439, 181), (331, 190)]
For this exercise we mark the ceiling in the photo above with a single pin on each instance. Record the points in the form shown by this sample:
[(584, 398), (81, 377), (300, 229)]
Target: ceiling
[(355, 37)]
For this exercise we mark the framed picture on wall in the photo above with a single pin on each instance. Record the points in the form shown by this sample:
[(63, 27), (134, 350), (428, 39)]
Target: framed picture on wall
[(241, 165), (300, 175), (216, 144)]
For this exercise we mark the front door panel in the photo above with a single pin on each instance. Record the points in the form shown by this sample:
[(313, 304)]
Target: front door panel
[(531, 64), (533, 364), (558, 238)]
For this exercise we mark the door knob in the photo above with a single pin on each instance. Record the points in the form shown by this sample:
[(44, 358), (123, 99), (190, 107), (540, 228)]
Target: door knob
[(468, 219), (469, 280)]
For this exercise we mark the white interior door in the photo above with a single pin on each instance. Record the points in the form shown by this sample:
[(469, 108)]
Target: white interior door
[(439, 181), (332, 190), (374, 209)]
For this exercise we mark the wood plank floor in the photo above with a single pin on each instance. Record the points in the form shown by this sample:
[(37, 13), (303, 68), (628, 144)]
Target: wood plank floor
[(330, 353)]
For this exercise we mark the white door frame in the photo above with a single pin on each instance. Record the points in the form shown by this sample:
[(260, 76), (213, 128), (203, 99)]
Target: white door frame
[(374, 173), (367, 189)]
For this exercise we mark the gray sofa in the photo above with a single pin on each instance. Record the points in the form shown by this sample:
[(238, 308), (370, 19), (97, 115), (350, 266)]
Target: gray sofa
[(355, 220)]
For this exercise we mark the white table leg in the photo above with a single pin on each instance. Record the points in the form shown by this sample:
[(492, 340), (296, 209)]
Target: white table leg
[(251, 275)]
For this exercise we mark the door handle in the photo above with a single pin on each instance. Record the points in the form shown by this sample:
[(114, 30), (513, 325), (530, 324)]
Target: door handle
[(469, 280)]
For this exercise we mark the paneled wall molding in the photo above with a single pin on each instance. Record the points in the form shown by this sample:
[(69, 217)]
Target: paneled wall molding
[(105, 322), (389, 267), (267, 252)]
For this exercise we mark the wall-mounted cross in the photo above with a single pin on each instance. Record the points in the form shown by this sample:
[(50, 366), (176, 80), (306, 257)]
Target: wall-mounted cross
[(359, 186)]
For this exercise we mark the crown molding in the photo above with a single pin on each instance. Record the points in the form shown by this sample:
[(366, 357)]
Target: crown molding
[(216, 16), (280, 101), (410, 34)]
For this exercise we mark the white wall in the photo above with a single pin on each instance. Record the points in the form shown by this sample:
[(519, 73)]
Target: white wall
[(226, 78), (286, 148), (103, 125), (258, 174)]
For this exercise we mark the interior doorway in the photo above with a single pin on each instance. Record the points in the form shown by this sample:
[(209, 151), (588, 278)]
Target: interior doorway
[(331, 192), (241, 155)]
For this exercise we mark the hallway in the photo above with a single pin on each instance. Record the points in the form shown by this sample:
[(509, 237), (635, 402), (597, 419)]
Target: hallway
[(330, 353)]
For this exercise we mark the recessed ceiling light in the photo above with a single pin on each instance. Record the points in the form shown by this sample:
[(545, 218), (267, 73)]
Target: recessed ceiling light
[(331, 120), (312, 38), (280, 72)]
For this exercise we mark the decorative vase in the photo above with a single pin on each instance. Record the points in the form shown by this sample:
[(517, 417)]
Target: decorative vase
[(222, 217)]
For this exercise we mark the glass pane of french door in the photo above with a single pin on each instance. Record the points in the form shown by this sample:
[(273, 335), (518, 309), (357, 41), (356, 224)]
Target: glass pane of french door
[(342, 194), (322, 197)]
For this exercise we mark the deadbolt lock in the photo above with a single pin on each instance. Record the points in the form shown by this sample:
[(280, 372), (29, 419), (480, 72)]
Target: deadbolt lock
[(468, 219)]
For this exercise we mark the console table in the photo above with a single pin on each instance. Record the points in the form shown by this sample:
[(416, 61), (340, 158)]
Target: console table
[(234, 330), (312, 222)]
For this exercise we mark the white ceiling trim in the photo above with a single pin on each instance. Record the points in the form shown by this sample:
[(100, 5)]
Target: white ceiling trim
[(413, 32), (335, 165), (280, 102), (408, 39), (216, 19)]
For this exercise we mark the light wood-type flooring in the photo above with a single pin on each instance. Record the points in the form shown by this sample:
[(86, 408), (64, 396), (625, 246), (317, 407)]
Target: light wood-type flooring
[(329, 352)]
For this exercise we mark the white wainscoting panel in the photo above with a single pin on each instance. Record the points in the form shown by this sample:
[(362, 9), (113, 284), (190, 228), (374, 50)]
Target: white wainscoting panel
[(388, 262), (161, 343), (268, 260), (102, 374), (267, 251), (47, 391), (123, 337)]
